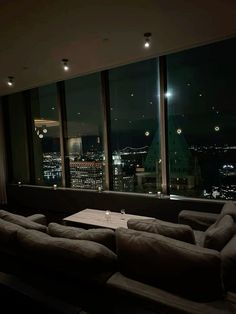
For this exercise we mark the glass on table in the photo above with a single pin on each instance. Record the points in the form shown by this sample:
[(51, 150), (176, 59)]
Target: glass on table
[(122, 211), (108, 215)]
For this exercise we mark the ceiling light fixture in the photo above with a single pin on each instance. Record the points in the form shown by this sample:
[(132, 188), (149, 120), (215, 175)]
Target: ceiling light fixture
[(10, 81), (147, 37), (65, 64)]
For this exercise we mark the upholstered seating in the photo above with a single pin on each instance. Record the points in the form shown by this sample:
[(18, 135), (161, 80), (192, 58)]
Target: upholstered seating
[(107, 266)]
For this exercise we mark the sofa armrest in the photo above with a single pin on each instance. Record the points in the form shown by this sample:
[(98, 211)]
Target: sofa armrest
[(197, 220), (39, 218), (141, 294)]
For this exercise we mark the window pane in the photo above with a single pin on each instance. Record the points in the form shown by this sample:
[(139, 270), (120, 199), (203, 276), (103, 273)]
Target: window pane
[(201, 105), (46, 139), (134, 127), (18, 138), (85, 133)]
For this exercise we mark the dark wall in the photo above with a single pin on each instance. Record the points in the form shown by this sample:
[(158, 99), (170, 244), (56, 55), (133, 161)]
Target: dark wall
[(59, 203)]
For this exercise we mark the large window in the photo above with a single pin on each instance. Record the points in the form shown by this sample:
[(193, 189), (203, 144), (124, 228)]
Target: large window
[(200, 131), (85, 132), (134, 127), (46, 139), (201, 106)]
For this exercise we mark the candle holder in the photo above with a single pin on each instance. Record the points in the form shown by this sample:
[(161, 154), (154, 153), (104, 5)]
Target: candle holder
[(99, 189), (159, 194)]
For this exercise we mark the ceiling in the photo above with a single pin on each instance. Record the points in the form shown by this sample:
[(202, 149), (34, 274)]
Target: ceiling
[(95, 35)]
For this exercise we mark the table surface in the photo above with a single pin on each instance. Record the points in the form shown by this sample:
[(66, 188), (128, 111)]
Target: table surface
[(98, 218)]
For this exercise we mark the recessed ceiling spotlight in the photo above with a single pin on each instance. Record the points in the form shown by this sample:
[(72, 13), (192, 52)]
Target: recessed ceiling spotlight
[(65, 63), (10, 81), (147, 40)]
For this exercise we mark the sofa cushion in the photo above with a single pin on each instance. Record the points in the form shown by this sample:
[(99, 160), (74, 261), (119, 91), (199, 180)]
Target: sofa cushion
[(99, 235), (168, 229), (173, 265), (76, 258), (228, 257), (229, 208), (217, 235), (8, 233), (22, 221)]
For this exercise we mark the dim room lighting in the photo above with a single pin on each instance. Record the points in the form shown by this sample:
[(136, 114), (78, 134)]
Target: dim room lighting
[(147, 40), (179, 131), (10, 81), (65, 63)]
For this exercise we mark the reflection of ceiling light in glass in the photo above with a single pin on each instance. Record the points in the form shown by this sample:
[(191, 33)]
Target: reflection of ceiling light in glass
[(45, 123), (179, 131), (41, 125), (168, 94), (10, 81), (147, 40), (217, 128), (65, 63)]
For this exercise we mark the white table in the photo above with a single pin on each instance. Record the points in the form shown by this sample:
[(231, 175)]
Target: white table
[(98, 218)]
